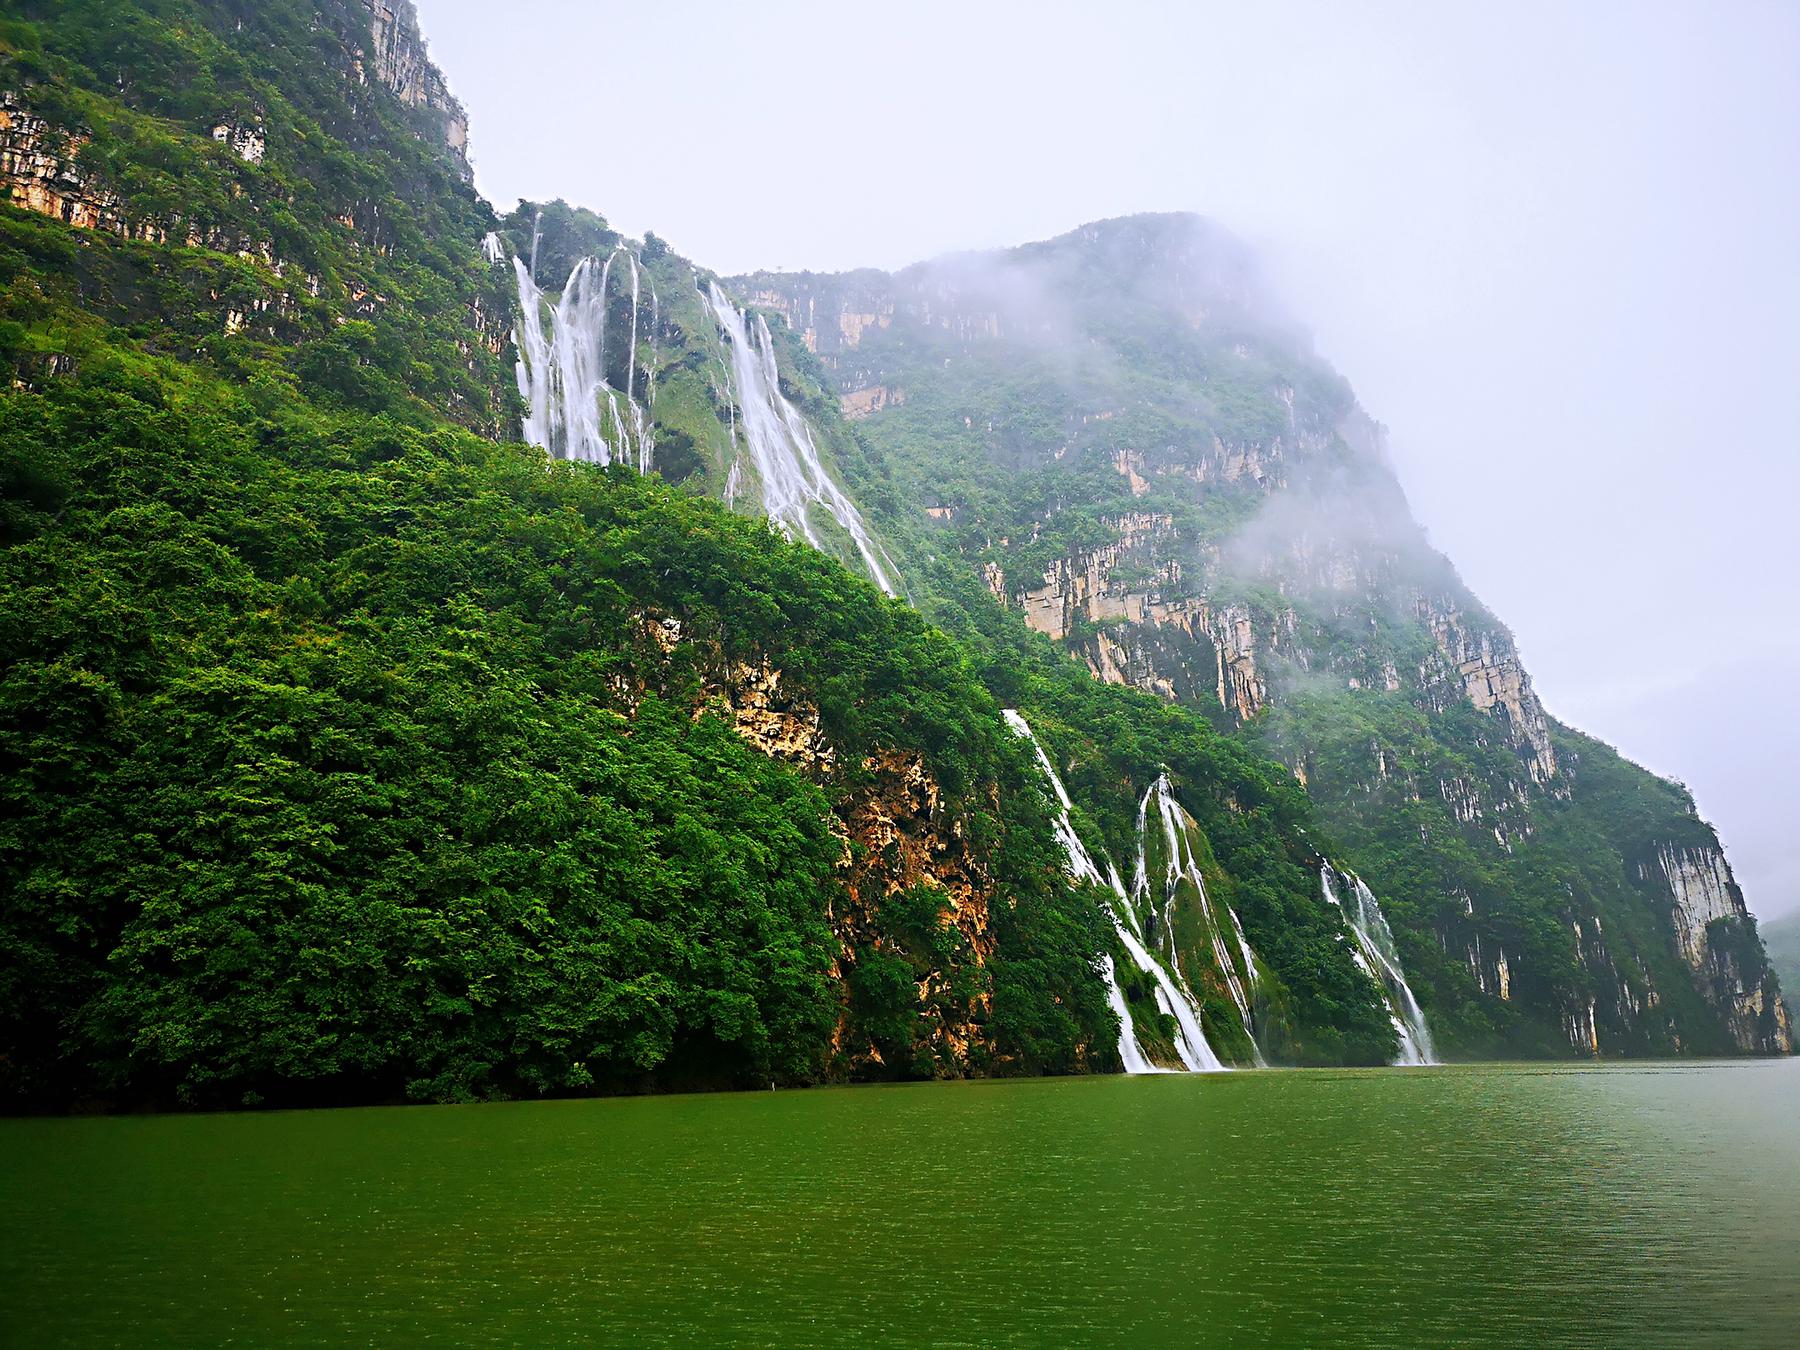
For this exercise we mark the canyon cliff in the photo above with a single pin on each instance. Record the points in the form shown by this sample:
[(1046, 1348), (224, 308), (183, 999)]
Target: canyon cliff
[(1122, 433), (1023, 663)]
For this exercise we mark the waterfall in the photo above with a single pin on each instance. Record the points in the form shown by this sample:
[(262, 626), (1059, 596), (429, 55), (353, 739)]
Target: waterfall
[(1172, 998), (1231, 950), (574, 412), (1131, 1054), (780, 444), (1376, 954), (571, 409)]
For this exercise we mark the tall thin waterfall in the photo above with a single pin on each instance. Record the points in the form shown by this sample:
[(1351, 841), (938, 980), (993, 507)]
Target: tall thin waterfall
[(572, 410), (1231, 950), (1172, 997), (1376, 954), (780, 444)]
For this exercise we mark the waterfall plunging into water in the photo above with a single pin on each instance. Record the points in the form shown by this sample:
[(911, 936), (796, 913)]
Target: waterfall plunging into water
[(1376, 954), (780, 444), (572, 410), (1172, 998), (1231, 951)]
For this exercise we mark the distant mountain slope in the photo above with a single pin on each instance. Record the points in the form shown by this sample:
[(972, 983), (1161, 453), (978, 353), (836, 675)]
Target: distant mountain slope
[(1781, 938), (1139, 453)]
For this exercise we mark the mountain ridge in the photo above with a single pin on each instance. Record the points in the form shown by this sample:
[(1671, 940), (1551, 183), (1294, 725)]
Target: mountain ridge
[(354, 755), (1321, 519)]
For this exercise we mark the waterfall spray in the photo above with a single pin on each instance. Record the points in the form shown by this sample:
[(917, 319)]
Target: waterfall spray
[(575, 412), (572, 411)]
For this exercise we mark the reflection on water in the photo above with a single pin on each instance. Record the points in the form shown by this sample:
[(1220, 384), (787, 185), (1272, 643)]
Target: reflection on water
[(1501, 1204)]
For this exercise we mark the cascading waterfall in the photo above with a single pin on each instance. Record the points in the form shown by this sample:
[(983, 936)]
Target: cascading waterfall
[(780, 444), (1233, 956), (572, 410), (1376, 954), (1171, 997)]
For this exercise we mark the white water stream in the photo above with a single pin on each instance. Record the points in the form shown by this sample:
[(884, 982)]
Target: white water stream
[(1232, 955), (1172, 997), (572, 410), (1376, 954), (780, 443)]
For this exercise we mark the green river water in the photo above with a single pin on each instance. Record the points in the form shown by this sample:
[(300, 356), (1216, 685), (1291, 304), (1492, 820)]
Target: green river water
[(1513, 1205)]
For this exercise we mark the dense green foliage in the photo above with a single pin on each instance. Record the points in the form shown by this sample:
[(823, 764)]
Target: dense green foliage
[(344, 756), (326, 773)]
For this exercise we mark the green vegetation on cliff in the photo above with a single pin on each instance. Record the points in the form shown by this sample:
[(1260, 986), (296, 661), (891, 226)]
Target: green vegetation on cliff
[(352, 753), (338, 762), (1120, 435), (344, 756)]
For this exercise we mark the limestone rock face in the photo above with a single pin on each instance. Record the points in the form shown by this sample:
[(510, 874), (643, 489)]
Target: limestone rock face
[(897, 833), (907, 840), (863, 402), (775, 723), (400, 62), (248, 143), (1495, 681), (39, 170), (1700, 882), (1707, 911)]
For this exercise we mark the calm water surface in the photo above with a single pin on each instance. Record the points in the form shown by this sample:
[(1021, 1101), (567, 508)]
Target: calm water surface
[(1495, 1205)]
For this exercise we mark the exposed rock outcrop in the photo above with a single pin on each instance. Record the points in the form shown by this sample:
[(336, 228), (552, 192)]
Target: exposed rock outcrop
[(40, 171), (249, 143), (1494, 680), (1711, 928), (898, 834), (1700, 883), (864, 402), (400, 62)]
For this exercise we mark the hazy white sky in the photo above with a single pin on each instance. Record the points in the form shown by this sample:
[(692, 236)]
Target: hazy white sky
[(1552, 245)]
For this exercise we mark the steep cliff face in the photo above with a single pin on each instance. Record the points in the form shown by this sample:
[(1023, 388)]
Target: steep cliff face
[(1717, 939), (301, 208), (38, 168), (1139, 453), (398, 60)]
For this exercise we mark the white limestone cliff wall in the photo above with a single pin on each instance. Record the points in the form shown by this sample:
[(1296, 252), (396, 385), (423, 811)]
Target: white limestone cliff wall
[(1494, 680), (1701, 891), (1701, 885), (400, 62), (1146, 616)]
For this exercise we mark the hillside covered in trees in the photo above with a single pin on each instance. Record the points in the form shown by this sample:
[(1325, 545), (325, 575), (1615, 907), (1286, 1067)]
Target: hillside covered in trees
[(355, 749)]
